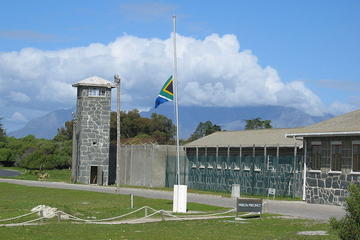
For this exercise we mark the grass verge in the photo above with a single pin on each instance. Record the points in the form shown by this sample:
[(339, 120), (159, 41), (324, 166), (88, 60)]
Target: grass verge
[(16, 200)]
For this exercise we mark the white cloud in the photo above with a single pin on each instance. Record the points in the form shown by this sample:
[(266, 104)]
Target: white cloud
[(337, 108), (19, 97), (18, 117), (212, 72)]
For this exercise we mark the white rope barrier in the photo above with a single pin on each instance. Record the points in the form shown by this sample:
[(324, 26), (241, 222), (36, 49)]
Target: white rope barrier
[(101, 221), (105, 219), (13, 218), (204, 215), (22, 223), (148, 216)]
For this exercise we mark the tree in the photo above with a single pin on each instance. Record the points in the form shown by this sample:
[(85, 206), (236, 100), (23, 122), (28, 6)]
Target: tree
[(257, 123), (348, 227), (132, 125), (162, 128), (2, 131), (65, 133), (203, 129)]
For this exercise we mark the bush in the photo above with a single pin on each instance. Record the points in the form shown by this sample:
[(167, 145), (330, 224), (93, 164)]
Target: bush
[(348, 227), (6, 157)]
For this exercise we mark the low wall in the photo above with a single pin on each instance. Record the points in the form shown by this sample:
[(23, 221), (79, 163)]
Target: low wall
[(328, 188)]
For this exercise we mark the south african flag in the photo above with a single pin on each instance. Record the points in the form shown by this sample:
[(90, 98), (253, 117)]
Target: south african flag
[(166, 93)]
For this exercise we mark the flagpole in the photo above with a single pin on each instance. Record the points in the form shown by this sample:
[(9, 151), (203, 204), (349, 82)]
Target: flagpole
[(176, 104)]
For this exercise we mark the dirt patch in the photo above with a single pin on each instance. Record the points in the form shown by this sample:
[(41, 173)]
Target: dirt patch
[(313, 233)]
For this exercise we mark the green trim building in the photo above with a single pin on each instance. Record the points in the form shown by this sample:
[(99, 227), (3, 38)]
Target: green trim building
[(255, 159)]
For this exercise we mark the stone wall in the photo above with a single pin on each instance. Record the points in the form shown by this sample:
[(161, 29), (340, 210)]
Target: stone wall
[(325, 188), (93, 135)]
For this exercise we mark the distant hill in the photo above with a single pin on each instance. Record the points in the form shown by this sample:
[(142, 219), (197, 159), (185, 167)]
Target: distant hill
[(45, 126), (190, 116), (233, 118)]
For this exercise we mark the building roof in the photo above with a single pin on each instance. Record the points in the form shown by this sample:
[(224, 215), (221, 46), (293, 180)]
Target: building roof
[(94, 81), (247, 138), (346, 124)]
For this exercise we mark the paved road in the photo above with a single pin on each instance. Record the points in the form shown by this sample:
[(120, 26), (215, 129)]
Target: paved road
[(290, 208), (9, 173)]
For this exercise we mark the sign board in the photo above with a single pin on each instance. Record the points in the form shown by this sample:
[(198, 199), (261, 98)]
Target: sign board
[(271, 191), (249, 205)]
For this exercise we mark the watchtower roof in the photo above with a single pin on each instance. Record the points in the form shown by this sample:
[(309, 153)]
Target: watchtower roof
[(94, 81)]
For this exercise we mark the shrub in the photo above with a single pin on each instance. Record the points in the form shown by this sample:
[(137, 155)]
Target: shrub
[(348, 228), (6, 157)]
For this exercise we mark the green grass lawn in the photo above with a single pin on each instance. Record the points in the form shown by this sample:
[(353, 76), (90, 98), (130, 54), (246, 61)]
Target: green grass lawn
[(16, 200)]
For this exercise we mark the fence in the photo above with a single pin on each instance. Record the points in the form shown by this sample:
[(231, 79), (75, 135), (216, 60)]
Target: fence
[(254, 174), (155, 166)]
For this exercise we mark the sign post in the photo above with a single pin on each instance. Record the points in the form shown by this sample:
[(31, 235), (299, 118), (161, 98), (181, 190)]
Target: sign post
[(249, 205)]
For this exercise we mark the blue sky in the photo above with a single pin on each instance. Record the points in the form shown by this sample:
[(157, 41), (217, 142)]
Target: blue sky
[(312, 42)]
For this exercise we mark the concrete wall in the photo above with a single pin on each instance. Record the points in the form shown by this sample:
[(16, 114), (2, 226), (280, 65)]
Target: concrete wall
[(92, 135), (145, 165)]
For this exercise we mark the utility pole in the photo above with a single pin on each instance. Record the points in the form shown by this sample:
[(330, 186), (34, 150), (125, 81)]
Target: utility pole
[(74, 164), (117, 81)]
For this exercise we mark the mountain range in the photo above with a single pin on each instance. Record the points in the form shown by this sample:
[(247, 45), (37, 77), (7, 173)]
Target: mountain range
[(190, 116)]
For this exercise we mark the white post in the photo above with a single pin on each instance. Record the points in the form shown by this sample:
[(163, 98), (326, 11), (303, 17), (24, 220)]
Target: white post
[(176, 104), (304, 172), (131, 200), (180, 191)]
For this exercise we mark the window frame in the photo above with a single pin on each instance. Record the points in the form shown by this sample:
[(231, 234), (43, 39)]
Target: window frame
[(96, 92), (317, 144), (355, 143), (332, 159)]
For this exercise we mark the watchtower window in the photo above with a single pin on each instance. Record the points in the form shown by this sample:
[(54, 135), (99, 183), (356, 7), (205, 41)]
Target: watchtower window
[(95, 92)]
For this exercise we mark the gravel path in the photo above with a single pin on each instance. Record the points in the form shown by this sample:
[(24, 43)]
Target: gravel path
[(290, 208)]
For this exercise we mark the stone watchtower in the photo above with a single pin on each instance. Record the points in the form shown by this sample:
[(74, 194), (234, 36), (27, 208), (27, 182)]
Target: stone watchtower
[(92, 131)]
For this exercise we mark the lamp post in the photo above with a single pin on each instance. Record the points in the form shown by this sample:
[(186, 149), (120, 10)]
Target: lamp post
[(117, 81)]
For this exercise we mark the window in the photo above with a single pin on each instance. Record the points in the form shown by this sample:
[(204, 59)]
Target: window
[(95, 92), (102, 92), (315, 156), (336, 157), (356, 158)]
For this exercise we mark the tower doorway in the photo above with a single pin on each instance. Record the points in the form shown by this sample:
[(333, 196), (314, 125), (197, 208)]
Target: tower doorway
[(93, 175)]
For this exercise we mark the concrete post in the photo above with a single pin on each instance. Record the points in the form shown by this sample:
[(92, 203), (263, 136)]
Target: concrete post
[(228, 156), (240, 157), (265, 161), (197, 154)]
